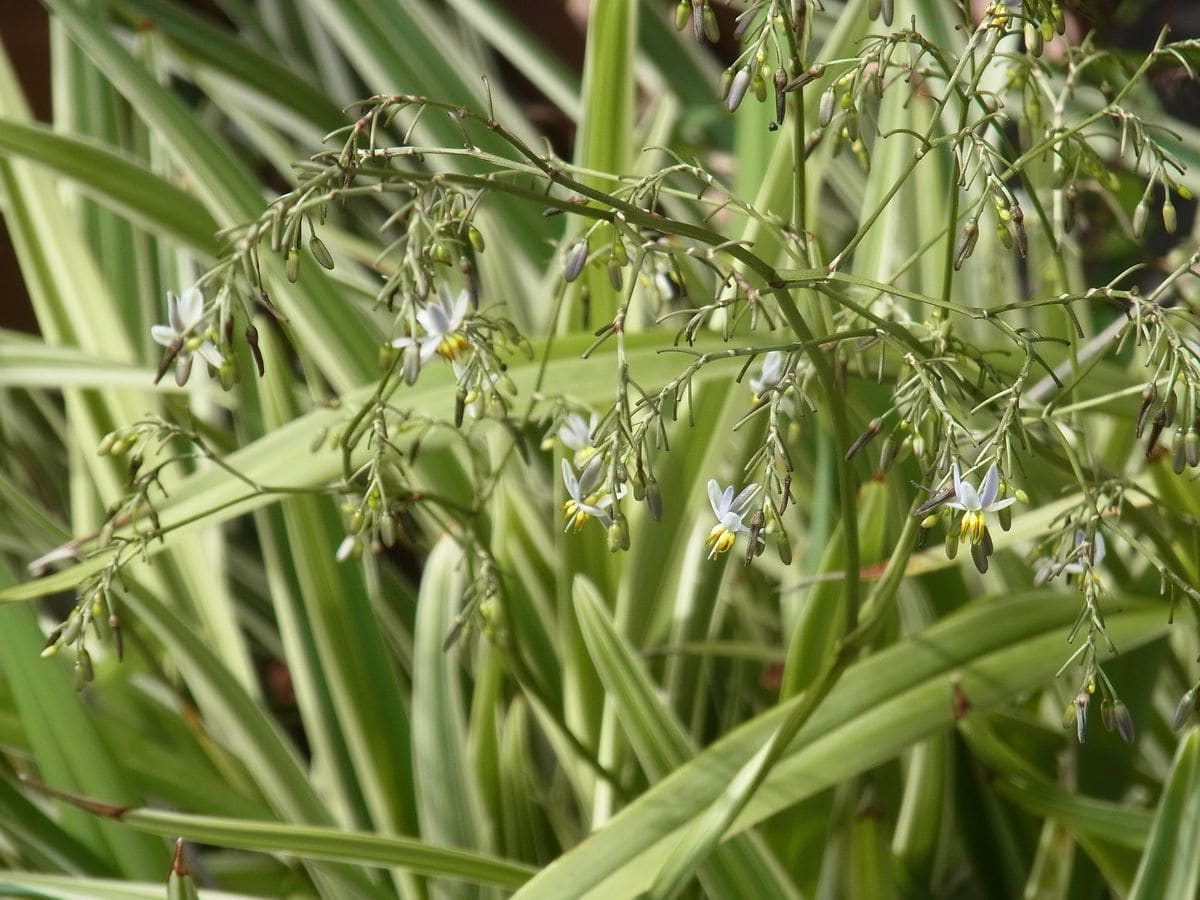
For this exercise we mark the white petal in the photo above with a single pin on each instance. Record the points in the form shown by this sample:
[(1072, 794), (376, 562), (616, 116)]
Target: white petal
[(191, 307), (999, 504), (459, 311), (714, 498), (968, 496), (163, 334), (1100, 549), (743, 499), (210, 354), (990, 487), (958, 483), (405, 342), (570, 481)]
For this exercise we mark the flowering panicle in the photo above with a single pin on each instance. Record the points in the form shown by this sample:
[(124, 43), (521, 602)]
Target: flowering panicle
[(730, 512)]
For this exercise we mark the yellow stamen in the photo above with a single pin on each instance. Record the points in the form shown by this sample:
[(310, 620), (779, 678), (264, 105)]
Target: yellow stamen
[(574, 517), (973, 526), (451, 345), (719, 540)]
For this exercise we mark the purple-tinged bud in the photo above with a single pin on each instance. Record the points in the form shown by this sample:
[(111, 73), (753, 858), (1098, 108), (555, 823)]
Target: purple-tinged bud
[(576, 260), (1082, 699), (737, 90), (1124, 722)]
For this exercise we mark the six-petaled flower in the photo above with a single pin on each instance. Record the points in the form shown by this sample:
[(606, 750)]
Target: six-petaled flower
[(441, 321), (183, 336), (976, 503), (729, 511), (585, 499)]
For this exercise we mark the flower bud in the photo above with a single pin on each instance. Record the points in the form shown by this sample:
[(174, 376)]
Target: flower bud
[(930, 520), (475, 236), (888, 453), (1183, 711), (1033, 39), (575, 261), (951, 543), (1082, 699), (825, 107), (1124, 722), (783, 547), (387, 530), (106, 444), (683, 12), (1170, 221), (1178, 452), (966, 243), (615, 277), (724, 84), (887, 12), (654, 499), (737, 90), (1149, 393), (1140, 213), (865, 438), (712, 28), (780, 96), (1191, 447), (618, 533), (874, 8), (292, 266), (320, 252)]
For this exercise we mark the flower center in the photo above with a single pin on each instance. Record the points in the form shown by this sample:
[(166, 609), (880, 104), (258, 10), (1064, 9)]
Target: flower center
[(451, 345), (574, 516), (719, 540), (973, 526)]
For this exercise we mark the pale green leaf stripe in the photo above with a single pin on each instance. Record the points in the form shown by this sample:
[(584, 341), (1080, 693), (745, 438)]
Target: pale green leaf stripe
[(1170, 866), (64, 887), (198, 39), (334, 846), (65, 743), (742, 866), (448, 799), (113, 179), (996, 648), (212, 496)]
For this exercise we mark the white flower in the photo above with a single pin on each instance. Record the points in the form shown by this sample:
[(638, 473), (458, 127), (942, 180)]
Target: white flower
[(185, 314), (975, 503), (1086, 559), (441, 321), (729, 511), (769, 376), (584, 501), (348, 547), (576, 435)]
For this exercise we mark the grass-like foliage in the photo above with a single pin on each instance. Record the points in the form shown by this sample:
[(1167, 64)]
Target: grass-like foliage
[(781, 488)]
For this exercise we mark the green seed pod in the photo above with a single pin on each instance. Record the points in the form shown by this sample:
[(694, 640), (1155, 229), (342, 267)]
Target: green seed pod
[(654, 499), (292, 266), (724, 85), (952, 542), (618, 533), (712, 28), (888, 453), (783, 547), (683, 12), (1005, 236), (615, 277), (1178, 452), (759, 85), (320, 252), (1140, 213), (1170, 221)]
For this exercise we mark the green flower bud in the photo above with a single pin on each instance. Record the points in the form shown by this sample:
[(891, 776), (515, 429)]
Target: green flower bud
[(475, 236), (1187, 703), (783, 547), (1170, 222), (1033, 39), (759, 85), (618, 533), (320, 252), (931, 520), (683, 12), (1124, 722), (952, 542), (292, 266), (887, 12), (1140, 213), (712, 28)]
